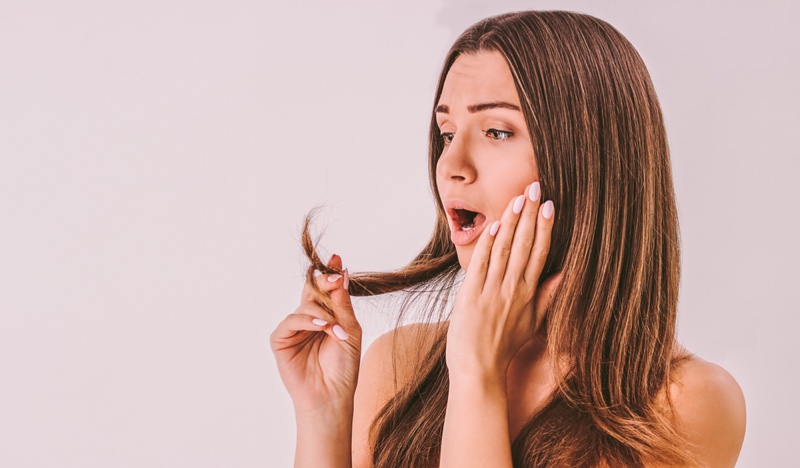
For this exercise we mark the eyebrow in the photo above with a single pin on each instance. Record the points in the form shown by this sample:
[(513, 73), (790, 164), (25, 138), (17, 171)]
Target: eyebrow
[(441, 108)]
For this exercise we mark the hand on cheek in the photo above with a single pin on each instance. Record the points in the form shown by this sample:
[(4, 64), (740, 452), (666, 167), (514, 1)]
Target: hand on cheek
[(494, 309)]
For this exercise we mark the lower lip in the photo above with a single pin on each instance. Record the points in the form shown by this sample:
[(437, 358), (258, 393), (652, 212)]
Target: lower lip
[(461, 238)]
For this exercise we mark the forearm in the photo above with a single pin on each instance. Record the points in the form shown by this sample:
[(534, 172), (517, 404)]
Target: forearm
[(476, 424), (324, 438)]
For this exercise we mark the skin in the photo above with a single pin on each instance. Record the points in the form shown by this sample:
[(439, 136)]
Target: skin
[(488, 162), (498, 374), (320, 370), (488, 156)]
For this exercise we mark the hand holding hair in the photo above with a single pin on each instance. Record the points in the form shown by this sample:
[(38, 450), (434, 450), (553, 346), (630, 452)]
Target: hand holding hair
[(318, 346)]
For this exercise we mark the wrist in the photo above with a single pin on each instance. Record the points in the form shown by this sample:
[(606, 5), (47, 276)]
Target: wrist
[(324, 436), (477, 417), (484, 380), (471, 365), (476, 370), (329, 412)]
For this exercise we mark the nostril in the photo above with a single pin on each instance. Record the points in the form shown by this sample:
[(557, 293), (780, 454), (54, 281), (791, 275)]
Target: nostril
[(455, 167)]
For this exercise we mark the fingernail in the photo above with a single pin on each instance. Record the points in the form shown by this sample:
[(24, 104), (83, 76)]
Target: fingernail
[(547, 209), (339, 332), (346, 280), (518, 204), (319, 322), (535, 191), (333, 278), (493, 229), (317, 272)]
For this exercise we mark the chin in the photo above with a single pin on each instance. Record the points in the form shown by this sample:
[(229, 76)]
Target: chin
[(464, 256)]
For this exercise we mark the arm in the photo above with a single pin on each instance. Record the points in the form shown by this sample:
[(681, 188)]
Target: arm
[(498, 308), (324, 437), (477, 418), (318, 352)]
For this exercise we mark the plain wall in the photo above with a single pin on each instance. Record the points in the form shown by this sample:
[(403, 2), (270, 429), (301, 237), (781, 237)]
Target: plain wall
[(157, 159)]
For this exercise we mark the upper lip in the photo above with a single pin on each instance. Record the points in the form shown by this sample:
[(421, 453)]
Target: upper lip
[(453, 204)]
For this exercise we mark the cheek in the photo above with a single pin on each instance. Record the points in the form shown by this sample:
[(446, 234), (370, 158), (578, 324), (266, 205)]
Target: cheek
[(501, 200), (514, 186), (439, 183), (437, 169)]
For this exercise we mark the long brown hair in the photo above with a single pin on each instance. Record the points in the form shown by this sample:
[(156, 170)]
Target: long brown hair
[(601, 151)]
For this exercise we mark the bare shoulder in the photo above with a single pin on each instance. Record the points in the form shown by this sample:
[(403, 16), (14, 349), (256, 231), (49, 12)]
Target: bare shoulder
[(710, 407), (394, 351), (386, 367)]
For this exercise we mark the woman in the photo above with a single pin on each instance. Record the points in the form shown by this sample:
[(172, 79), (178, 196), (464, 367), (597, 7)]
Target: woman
[(551, 174)]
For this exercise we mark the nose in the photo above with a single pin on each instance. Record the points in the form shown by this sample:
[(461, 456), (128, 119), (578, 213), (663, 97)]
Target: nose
[(455, 163)]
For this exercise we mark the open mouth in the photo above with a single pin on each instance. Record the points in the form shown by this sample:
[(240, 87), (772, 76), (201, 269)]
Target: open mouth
[(465, 223), (466, 220)]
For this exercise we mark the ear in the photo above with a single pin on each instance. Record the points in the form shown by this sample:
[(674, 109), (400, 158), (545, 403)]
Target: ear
[(545, 293)]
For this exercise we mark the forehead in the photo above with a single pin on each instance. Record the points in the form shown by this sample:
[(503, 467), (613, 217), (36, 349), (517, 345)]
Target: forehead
[(479, 77)]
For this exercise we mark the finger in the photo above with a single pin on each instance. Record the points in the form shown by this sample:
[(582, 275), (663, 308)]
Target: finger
[(479, 262), (325, 283), (524, 235), (318, 311), (338, 298), (541, 244), (502, 243), (335, 262), (343, 307), (314, 309), (296, 327)]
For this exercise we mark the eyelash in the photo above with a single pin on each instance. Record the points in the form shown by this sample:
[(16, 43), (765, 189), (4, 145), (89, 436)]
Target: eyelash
[(498, 135)]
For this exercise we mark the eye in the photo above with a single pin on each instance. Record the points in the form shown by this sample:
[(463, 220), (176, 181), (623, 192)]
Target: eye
[(498, 135), (447, 137)]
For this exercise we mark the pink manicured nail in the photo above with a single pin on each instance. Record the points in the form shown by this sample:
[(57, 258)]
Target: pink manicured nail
[(518, 204), (547, 209), (534, 191), (334, 278), (346, 280), (339, 332), (493, 229), (319, 322)]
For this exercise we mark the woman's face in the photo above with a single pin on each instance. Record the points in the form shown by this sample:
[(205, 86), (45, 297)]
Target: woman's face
[(488, 156)]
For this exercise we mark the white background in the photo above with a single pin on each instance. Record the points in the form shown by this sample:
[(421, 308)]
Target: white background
[(157, 159)]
